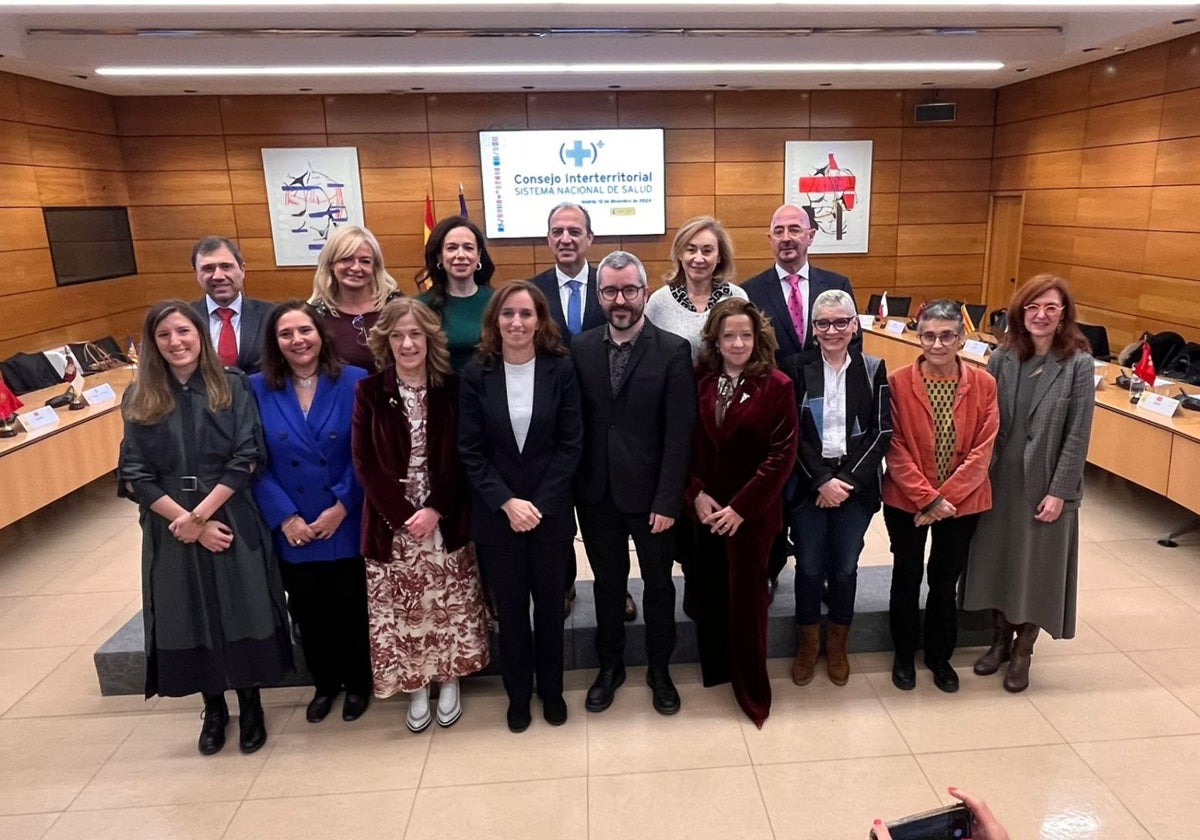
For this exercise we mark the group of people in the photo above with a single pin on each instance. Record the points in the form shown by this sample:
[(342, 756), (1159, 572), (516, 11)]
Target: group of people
[(394, 468)]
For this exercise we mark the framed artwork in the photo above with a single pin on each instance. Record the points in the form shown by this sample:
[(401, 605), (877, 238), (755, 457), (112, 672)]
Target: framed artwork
[(310, 193), (833, 178)]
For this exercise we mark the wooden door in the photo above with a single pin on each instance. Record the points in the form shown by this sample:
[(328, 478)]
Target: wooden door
[(1003, 248)]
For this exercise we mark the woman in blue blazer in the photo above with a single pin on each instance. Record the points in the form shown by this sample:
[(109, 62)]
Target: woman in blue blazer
[(312, 501), (520, 436)]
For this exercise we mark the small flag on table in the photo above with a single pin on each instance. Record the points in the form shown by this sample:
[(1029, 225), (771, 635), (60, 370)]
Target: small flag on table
[(429, 220), (462, 202), (967, 322), (8, 401), (1144, 369), (882, 313)]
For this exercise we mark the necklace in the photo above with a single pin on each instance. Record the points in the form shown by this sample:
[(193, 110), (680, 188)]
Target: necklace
[(304, 382)]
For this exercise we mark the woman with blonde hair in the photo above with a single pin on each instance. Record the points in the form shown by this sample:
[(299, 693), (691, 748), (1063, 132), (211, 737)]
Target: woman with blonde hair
[(350, 287), (424, 600), (212, 596), (700, 277)]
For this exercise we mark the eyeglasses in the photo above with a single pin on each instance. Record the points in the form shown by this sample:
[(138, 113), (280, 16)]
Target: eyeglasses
[(609, 293), (364, 262), (360, 326), (930, 338), (835, 324), (1049, 309)]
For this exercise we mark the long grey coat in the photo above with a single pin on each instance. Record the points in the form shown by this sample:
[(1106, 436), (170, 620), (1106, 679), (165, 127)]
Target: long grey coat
[(1029, 569)]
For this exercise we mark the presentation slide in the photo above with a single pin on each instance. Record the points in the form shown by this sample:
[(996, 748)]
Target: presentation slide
[(617, 174)]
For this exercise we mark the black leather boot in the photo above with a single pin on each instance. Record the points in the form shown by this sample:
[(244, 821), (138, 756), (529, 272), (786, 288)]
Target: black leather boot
[(252, 727), (216, 718)]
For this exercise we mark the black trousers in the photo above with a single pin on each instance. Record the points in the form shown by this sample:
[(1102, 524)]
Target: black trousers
[(329, 602), (606, 532), (947, 558), (518, 571)]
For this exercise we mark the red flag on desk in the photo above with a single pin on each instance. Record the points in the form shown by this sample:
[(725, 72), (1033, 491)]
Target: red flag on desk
[(882, 313), (1145, 366), (8, 401), (429, 220)]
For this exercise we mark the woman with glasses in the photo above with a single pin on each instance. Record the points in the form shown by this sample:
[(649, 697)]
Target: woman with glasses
[(701, 276), (1025, 558), (457, 274), (944, 422), (743, 450), (845, 413), (350, 286), (312, 501)]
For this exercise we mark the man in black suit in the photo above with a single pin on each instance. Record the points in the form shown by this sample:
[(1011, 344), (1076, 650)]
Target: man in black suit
[(639, 404), (570, 288), (236, 323), (785, 292), (791, 233)]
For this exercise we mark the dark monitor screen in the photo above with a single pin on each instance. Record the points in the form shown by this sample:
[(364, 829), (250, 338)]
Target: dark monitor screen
[(89, 243)]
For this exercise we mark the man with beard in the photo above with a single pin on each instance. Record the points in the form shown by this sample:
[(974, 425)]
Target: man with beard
[(639, 404), (786, 292), (235, 322)]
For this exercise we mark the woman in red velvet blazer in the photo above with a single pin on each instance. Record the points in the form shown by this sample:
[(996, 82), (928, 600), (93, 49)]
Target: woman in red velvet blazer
[(743, 448), (424, 599)]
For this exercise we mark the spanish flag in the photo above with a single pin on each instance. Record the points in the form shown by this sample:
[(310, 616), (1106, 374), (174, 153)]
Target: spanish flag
[(462, 202), (967, 322), (429, 220)]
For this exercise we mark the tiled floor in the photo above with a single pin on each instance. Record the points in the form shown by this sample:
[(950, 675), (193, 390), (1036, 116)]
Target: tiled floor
[(1105, 744)]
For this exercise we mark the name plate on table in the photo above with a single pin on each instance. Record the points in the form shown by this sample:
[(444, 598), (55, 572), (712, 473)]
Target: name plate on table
[(866, 322), (1166, 406), (39, 418), (974, 347), (1098, 382), (100, 394), (894, 327)]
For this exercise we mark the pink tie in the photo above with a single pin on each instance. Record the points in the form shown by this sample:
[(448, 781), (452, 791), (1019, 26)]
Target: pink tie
[(796, 307)]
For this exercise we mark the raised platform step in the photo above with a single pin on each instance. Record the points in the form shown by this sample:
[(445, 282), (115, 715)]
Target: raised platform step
[(121, 661)]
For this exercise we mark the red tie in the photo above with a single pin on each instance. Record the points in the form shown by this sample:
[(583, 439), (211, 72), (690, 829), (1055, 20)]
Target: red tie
[(796, 306), (227, 349)]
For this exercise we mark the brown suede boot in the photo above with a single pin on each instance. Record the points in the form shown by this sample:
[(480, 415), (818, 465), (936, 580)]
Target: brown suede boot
[(1001, 649), (1016, 678), (836, 661), (808, 646)]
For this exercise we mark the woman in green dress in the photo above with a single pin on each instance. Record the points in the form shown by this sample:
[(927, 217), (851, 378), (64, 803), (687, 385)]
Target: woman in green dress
[(457, 274)]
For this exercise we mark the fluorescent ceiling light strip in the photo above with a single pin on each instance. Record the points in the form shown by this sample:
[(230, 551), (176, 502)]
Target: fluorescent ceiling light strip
[(640, 4), (528, 69)]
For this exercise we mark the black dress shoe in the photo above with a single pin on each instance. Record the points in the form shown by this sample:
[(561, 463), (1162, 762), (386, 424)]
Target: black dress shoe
[(319, 706), (904, 675), (354, 705), (554, 710), (944, 676), (662, 691), (252, 728), (212, 732), (630, 608), (600, 695), (518, 716)]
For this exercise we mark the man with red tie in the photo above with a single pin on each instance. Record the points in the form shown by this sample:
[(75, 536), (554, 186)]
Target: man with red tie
[(785, 292), (235, 322)]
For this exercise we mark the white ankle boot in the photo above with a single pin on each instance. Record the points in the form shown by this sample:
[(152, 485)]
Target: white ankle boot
[(449, 705), (419, 715)]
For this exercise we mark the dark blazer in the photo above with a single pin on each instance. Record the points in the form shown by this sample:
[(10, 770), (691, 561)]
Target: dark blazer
[(765, 292), (1059, 423), (251, 330), (309, 464), (868, 425), (498, 471), (381, 444), (636, 444), (746, 461), (593, 315)]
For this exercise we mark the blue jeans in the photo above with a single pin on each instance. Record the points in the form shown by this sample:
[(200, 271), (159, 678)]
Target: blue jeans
[(828, 542)]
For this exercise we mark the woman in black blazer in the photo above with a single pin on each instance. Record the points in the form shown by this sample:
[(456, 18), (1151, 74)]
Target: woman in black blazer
[(520, 438), (845, 413)]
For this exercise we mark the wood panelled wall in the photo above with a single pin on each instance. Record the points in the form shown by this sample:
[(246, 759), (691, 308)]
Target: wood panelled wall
[(1108, 158), (189, 166)]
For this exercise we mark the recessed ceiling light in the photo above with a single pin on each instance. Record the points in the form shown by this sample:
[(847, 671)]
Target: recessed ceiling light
[(526, 87), (826, 84), (614, 87), (926, 83), (1021, 69), (525, 69), (305, 90), (189, 90)]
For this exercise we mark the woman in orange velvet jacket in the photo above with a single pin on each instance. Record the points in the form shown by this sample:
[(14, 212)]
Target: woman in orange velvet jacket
[(743, 449)]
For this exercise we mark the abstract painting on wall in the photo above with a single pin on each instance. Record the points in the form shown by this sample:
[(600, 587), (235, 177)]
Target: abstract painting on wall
[(310, 193), (833, 179)]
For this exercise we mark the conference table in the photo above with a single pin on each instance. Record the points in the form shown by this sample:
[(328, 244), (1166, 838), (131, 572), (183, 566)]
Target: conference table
[(42, 466), (1156, 452)]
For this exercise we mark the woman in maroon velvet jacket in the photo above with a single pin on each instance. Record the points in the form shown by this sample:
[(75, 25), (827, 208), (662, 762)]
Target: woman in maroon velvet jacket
[(743, 448), (423, 593)]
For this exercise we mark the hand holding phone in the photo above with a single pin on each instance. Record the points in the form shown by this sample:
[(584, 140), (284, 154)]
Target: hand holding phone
[(953, 822)]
